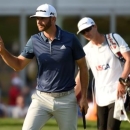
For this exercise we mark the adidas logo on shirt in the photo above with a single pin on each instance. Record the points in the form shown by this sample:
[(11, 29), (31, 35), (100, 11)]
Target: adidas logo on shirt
[(63, 47)]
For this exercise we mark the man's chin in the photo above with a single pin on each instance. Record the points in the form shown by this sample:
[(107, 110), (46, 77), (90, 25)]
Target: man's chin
[(88, 38), (41, 29)]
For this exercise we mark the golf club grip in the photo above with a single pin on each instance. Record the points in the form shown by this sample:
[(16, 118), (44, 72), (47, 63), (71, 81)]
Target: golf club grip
[(84, 120)]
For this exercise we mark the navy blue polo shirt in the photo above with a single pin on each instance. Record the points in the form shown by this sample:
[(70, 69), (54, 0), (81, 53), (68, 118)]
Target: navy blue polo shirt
[(56, 60)]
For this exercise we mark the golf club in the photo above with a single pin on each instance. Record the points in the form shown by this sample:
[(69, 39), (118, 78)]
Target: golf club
[(84, 120)]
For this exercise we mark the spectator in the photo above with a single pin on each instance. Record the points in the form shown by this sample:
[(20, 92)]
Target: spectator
[(20, 110), (92, 110), (15, 89), (3, 110)]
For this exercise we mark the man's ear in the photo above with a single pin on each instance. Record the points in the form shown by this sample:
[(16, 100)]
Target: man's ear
[(95, 26), (53, 19)]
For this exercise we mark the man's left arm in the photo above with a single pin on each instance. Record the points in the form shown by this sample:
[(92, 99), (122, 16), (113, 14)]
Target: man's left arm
[(82, 81), (125, 73), (126, 70)]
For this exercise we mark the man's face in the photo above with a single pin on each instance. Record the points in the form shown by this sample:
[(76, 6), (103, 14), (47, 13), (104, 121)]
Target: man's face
[(43, 23)]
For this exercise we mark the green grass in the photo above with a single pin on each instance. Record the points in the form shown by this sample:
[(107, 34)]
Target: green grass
[(16, 124)]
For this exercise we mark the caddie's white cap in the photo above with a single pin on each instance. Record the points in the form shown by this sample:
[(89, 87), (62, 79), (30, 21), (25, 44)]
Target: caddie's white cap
[(45, 10), (85, 23)]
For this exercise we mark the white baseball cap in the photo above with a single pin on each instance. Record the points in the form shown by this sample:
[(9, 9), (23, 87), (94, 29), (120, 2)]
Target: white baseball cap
[(85, 23), (45, 10)]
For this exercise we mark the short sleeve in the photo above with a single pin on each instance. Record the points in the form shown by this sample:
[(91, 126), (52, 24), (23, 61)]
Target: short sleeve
[(28, 50), (122, 44), (78, 51), (85, 50)]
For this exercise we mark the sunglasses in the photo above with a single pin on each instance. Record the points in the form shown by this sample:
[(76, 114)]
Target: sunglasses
[(86, 30)]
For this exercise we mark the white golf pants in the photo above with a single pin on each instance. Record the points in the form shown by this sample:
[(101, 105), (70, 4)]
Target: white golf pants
[(43, 107)]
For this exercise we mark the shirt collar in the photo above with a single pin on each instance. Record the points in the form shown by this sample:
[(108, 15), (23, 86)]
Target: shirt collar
[(93, 45), (58, 34)]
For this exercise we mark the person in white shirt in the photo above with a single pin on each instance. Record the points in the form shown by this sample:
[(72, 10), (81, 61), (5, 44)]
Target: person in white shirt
[(107, 69)]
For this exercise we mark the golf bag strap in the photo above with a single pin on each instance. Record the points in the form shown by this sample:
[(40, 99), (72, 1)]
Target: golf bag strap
[(114, 46)]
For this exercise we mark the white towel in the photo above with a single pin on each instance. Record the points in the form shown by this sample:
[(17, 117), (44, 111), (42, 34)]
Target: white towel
[(119, 110)]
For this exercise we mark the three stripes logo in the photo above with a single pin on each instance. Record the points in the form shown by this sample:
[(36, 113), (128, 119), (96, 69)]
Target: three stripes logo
[(63, 47)]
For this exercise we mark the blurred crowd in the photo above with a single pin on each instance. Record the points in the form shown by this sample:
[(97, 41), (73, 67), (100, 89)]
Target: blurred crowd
[(19, 99)]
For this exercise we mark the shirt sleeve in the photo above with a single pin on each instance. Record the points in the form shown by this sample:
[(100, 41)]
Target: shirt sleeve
[(122, 44), (28, 50), (78, 51), (85, 50)]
